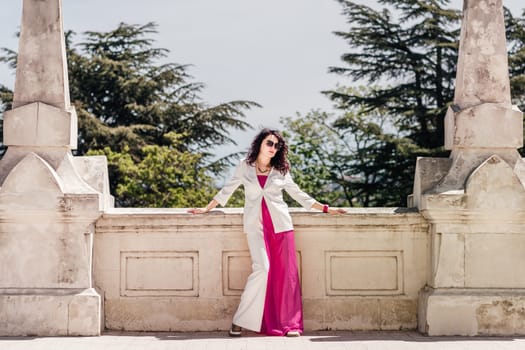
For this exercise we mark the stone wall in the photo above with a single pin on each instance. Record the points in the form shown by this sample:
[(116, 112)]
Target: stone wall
[(165, 270)]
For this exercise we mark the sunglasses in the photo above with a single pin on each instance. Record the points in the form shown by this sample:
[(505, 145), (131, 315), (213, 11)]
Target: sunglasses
[(275, 145)]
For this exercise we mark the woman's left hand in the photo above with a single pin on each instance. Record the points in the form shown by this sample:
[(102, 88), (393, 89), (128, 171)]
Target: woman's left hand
[(336, 211)]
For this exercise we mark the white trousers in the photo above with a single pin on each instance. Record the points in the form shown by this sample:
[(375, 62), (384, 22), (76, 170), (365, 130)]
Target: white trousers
[(251, 308)]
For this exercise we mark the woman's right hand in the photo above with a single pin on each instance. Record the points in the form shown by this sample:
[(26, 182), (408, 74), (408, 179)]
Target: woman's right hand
[(197, 211), (209, 207)]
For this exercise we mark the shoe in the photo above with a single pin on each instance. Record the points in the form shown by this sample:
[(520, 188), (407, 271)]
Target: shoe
[(293, 334), (235, 331)]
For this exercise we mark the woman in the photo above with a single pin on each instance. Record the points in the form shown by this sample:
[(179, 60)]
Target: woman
[(271, 301)]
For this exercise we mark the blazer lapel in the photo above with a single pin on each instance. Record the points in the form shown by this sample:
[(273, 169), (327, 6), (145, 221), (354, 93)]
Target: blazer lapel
[(252, 176)]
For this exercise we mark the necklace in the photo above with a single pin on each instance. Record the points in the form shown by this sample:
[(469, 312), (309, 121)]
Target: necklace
[(263, 171)]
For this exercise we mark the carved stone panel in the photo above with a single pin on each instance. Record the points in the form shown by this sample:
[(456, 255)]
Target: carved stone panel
[(159, 273), (355, 272)]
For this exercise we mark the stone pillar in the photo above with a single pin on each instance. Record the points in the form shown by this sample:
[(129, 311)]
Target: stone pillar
[(475, 200), (49, 200)]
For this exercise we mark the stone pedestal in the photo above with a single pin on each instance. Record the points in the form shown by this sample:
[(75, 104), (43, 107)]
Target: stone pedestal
[(477, 239), (49, 201), (46, 249), (64, 312), (475, 200), (471, 312)]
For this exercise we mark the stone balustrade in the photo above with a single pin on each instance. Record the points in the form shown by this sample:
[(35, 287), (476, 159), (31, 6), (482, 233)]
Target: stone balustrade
[(165, 270), (453, 266)]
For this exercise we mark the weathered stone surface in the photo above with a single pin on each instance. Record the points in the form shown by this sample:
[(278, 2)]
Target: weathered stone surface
[(47, 210), (448, 267), (470, 312), (349, 313), (94, 171), (429, 171), (189, 288), (169, 314), (358, 313), (488, 125), (501, 315), (84, 314), (34, 185), (345, 274), (494, 185), (19, 316), (49, 313), (464, 161), (53, 257), (482, 72), (33, 174), (41, 73), (495, 260), (40, 124), (476, 209), (396, 314)]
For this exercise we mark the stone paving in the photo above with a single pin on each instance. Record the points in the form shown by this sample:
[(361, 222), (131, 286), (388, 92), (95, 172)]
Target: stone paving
[(340, 340)]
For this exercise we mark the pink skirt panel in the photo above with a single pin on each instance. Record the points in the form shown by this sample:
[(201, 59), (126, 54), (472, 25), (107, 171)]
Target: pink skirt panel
[(283, 309)]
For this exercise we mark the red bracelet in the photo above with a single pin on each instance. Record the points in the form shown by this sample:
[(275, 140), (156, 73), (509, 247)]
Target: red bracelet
[(325, 208)]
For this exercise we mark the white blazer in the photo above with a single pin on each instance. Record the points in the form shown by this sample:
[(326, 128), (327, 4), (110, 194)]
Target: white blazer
[(246, 175)]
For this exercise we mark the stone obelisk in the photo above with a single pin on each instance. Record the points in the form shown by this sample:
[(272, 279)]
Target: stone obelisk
[(475, 199), (49, 200)]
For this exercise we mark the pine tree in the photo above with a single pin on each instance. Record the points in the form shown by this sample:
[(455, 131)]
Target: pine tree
[(147, 117), (116, 78), (515, 27), (408, 52), (405, 53)]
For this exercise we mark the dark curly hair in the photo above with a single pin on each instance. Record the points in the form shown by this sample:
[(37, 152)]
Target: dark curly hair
[(280, 160)]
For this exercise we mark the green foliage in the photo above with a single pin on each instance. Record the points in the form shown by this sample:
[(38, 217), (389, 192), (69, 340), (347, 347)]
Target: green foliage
[(141, 112), (237, 199), (313, 147), (6, 95), (115, 76), (6, 98), (348, 160), (163, 177), (406, 53), (515, 27)]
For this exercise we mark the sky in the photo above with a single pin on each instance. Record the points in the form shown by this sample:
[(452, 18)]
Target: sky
[(273, 52)]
